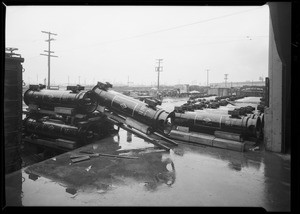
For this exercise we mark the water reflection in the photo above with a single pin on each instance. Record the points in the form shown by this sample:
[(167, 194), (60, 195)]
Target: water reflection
[(235, 166), (129, 137), (153, 168), (72, 191), (33, 177), (277, 182), (166, 175), (235, 160)]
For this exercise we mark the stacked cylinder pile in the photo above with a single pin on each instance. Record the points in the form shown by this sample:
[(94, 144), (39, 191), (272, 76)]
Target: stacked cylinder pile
[(69, 114), (199, 103), (243, 120)]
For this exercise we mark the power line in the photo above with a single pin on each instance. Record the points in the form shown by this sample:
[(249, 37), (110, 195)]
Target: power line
[(194, 23), (166, 29)]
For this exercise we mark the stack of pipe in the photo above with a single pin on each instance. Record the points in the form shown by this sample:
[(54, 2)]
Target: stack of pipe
[(68, 115)]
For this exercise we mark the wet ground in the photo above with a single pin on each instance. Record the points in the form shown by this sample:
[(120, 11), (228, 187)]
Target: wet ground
[(187, 175)]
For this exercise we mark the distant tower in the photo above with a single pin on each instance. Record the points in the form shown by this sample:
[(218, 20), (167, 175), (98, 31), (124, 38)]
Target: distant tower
[(158, 69), (207, 70), (225, 78), (128, 82)]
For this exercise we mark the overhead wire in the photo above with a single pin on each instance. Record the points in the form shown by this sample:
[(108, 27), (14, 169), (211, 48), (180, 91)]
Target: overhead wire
[(162, 30)]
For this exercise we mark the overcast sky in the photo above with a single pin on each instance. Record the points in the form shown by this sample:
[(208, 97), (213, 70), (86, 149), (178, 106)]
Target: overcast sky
[(114, 43)]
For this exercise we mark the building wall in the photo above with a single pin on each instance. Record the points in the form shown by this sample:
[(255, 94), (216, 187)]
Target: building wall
[(277, 115), (238, 84), (12, 112), (273, 113), (218, 91), (212, 91)]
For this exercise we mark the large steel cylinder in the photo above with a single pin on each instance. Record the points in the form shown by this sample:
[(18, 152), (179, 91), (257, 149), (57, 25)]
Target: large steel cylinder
[(83, 101), (211, 122), (157, 119), (56, 130)]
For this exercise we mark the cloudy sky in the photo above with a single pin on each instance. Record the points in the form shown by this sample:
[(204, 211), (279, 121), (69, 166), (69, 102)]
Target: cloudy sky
[(121, 43)]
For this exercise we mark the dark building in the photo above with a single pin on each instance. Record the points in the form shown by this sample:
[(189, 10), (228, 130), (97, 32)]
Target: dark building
[(13, 110)]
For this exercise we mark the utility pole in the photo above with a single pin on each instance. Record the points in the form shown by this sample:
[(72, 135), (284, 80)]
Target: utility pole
[(158, 69), (68, 80), (225, 78), (49, 53), (207, 70), (79, 80), (128, 81)]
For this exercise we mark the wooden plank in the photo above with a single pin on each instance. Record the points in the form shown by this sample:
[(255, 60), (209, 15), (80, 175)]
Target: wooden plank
[(33, 107), (228, 136), (79, 159), (64, 110), (51, 144), (229, 144), (204, 139), (183, 128), (65, 141), (48, 112), (179, 135)]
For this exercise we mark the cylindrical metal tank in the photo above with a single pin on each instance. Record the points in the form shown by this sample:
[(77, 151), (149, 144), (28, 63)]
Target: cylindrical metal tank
[(13, 111), (83, 101), (211, 122), (157, 119), (56, 130)]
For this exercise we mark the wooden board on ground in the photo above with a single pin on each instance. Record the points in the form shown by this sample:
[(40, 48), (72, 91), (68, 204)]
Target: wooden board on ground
[(209, 140), (193, 137), (229, 144), (52, 144), (228, 136)]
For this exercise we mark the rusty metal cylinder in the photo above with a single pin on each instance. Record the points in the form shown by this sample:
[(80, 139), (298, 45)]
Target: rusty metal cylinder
[(206, 122), (83, 101), (157, 119), (54, 130)]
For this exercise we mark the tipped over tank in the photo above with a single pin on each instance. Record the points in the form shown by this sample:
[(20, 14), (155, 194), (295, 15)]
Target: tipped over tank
[(125, 106)]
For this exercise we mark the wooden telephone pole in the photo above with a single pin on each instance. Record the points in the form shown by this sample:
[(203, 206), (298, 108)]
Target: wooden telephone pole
[(158, 69), (49, 53)]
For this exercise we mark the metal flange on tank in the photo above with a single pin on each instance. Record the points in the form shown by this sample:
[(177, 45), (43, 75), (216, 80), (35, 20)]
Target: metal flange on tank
[(125, 106)]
